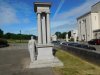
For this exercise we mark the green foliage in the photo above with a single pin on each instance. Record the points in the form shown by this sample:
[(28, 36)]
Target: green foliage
[(71, 39), (58, 34), (18, 36), (69, 34), (1, 33), (3, 42), (61, 35)]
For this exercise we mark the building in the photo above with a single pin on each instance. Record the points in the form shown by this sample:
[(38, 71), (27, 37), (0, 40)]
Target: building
[(89, 24)]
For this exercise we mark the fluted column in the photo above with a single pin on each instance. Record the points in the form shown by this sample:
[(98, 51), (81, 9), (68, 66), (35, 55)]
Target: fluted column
[(48, 28), (39, 28)]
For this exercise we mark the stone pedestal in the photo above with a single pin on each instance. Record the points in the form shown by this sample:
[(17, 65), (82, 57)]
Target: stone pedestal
[(45, 58), (55, 62), (45, 52)]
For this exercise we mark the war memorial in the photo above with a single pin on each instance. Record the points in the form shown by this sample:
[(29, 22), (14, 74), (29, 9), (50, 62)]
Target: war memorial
[(43, 53)]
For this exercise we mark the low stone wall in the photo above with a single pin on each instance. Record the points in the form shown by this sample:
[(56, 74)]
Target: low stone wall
[(89, 55)]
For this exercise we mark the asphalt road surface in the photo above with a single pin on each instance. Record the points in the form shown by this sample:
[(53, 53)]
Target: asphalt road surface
[(13, 60)]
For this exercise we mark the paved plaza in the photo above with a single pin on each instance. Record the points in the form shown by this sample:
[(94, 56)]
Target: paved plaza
[(13, 60)]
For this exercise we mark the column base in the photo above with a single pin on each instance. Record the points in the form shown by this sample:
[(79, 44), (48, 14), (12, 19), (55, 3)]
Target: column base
[(45, 52)]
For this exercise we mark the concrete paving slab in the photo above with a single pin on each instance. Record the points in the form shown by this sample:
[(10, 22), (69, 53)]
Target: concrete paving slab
[(12, 62)]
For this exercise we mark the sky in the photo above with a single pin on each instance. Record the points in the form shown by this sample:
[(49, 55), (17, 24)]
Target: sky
[(16, 15)]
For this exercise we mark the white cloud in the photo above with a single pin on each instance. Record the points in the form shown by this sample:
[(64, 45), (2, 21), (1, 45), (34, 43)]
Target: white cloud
[(26, 21), (65, 19), (58, 9), (7, 14), (10, 13), (77, 11)]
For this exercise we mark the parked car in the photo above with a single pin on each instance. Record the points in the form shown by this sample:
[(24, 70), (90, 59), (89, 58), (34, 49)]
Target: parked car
[(55, 42), (73, 44), (3, 43), (87, 47), (65, 43), (94, 42)]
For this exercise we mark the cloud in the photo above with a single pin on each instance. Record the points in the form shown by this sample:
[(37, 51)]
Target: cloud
[(77, 11), (7, 14), (14, 13), (63, 26), (59, 7), (67, 19)]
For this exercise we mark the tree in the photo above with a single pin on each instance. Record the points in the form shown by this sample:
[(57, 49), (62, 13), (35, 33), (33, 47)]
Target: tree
[(1, 33), (58, 34), (63, 35), (69, 34)]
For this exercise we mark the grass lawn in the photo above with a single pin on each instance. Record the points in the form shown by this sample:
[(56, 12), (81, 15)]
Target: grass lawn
[(17, 41), (74, 65)]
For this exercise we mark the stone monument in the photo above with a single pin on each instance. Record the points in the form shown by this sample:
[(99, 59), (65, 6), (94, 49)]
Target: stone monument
[(66, 37), (54, 38), (44, 47)]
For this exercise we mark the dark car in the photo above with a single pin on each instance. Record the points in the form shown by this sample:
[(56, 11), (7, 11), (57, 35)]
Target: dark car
[(55, 42), (65, 43), (94, 42), (73, 44), (87, 47)]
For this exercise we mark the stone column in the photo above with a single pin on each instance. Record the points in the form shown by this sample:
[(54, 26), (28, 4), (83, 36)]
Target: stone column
[(39, 28), (44, 29), (67, 37), (48, 29)]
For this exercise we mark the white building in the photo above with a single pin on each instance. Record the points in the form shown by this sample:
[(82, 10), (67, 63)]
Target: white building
[(89, 24)]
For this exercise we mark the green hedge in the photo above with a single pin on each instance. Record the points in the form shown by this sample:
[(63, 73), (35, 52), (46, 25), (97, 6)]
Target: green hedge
[(3, 42)]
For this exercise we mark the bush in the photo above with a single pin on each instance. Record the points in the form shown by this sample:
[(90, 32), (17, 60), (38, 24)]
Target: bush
[(3, 43), (71, 39)]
